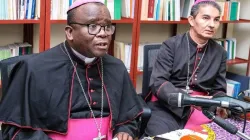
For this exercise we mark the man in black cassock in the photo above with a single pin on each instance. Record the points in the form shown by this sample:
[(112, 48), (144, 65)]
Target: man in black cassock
[(74, 81), (190, 63)]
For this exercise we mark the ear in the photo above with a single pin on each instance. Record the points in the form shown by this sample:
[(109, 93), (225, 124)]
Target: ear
[(191, 21), (68, 32)]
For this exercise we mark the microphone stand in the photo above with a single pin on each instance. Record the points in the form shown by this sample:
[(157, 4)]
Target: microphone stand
[(225, 125)]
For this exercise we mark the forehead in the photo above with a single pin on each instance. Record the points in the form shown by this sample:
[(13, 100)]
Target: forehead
[(92, 12), (208, 10)]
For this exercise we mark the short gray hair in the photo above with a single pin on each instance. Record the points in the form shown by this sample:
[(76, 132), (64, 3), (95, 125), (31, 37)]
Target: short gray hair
[(195, 8)]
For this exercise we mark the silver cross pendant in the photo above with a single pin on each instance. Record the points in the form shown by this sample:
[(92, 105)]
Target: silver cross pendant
[(100, 136)]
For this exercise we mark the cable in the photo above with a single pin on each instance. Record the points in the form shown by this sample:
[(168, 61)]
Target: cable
[(245, 118)]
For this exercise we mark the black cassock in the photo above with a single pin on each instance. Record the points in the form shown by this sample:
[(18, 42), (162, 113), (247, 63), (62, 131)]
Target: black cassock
[(170, 76), (38, 95)]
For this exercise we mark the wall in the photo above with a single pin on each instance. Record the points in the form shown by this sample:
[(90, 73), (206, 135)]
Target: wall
[(10, 34), (241, 32)]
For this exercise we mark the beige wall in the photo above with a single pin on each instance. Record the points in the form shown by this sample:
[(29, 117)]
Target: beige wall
[(241, 32), (10, 34)]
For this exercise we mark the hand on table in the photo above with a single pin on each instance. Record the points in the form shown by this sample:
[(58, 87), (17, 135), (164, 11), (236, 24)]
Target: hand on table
[(123, 136)]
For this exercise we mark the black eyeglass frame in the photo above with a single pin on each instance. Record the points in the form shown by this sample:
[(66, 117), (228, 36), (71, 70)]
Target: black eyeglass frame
[(101, 26)]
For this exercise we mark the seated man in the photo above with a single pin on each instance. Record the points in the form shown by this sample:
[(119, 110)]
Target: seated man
[(190, 63), (75, 90)]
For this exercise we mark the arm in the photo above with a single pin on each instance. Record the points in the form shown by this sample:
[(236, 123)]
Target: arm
[(11, 132), (160, 79), (14, 108), (220, 84), (129, 111)]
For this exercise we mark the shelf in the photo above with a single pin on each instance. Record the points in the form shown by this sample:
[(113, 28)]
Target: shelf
[(123, 20), (185, 21), (24, 21), (139, 72), (236, 21), (236, 61)]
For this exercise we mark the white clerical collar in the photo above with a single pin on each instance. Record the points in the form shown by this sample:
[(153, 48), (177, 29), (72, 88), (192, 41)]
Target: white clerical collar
[(201, 45), (82, 57)]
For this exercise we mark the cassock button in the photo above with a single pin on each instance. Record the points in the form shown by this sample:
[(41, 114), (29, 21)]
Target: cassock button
[(94, 103), (199, 58), (90, 79), (195, 75), (195, 79), (92, 90)]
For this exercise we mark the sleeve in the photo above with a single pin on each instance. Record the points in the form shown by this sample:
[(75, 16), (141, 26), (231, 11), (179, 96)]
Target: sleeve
[(160, 78), (220, 84), (10, 132), (130, 109), (131, 128)]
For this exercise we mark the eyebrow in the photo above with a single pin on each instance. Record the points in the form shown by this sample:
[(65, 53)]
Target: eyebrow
[(210, 16)]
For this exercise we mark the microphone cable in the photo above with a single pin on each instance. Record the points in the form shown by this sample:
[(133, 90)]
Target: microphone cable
[(245, 118)]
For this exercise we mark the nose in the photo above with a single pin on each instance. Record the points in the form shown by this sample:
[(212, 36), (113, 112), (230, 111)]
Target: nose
[(102, 32), (211, 24)]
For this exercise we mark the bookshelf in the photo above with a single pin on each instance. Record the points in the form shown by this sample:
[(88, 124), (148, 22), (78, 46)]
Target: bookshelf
[(28, 27), (173, 31)]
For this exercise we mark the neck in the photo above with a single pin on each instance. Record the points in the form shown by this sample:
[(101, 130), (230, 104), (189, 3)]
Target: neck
[(200, 41), (82, 57)]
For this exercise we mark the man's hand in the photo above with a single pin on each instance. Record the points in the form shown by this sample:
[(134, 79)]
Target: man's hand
[(123, 136), (221, 112)]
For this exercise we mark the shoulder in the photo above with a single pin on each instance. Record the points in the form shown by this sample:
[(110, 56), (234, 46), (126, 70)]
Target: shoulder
[(216, 46), (174, 40), (113, 61), (52, 56), (114, 64)]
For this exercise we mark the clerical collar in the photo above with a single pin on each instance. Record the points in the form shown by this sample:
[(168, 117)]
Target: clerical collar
[(195, 43), (82, 57)]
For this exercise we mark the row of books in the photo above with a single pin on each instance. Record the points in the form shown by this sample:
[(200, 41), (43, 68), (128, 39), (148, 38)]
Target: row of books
[(123, 51), (117, 8), (167, 10), (229, 45), (14, 49), (230, 10), (19, 9), (174, 10)]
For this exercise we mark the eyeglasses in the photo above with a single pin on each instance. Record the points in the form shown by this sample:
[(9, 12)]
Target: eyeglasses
[(94, 29)]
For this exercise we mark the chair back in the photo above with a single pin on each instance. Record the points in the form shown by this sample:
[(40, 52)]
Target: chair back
[(150, 55), (6, 67)]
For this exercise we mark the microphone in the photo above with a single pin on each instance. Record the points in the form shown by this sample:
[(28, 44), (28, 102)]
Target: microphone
[(181, 100), (229, 99), (225, 125)]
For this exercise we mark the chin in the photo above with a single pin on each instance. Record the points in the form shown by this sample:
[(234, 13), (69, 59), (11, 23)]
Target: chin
[(208, 36), (100, 54)]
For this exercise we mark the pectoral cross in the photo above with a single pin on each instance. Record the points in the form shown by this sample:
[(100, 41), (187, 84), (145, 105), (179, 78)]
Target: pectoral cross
[(100, 136)]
